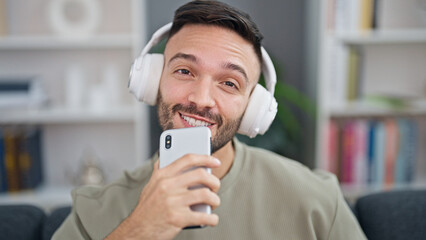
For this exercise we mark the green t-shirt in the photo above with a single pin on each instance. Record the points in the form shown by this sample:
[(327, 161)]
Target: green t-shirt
[(263, 196)]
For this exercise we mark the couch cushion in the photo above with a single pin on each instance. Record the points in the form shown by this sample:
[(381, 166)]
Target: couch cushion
[(54, 220), (393, 215), (21, 222)]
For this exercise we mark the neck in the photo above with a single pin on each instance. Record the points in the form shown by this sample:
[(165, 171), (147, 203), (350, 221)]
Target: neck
[(226, 156)]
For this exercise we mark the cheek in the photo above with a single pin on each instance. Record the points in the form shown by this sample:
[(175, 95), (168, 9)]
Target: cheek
[(171, 92), (233, 107)]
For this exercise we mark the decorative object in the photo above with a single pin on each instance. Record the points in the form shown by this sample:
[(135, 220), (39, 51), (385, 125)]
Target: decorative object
[(75, 87), (74, 18), (90, 171)]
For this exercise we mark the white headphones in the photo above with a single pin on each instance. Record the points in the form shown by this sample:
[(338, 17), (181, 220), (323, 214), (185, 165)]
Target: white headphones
[(145, 76)]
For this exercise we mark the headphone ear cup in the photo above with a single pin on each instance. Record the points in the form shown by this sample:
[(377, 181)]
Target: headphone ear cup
[(145, 77), (259, 114)]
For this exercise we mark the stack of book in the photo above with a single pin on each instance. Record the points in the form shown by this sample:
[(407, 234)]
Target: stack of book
[(381, 152), (20, 158)]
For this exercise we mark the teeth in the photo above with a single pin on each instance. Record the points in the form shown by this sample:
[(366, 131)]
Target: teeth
[(195, 123)]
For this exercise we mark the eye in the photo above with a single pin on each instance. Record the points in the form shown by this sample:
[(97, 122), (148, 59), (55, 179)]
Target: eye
[(230, 84), (183, 71)]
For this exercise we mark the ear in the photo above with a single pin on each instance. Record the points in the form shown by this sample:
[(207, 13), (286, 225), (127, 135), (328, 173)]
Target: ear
[(145, 77), (260, 112)]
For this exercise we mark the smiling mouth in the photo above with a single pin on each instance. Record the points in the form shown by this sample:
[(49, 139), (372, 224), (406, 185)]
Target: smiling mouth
[(195, 122)]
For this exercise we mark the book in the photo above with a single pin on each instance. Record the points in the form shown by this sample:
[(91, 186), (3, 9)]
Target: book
[(366, 18), (331, 15), (352, 74), (3, 177), (348, 151), (391, 150), (360, 153), (354, 15), (407, 152), (331, 164), (22, 158), (371, 151), (11, 161), (342, 21), (378, 162), (337, 81), (374, 18), (351, 16), (30, 159)]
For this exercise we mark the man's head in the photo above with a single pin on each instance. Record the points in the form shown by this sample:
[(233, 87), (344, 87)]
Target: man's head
[(212, 62)]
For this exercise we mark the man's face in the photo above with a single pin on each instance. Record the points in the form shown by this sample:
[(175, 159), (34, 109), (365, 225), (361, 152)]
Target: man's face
[(208, 75)]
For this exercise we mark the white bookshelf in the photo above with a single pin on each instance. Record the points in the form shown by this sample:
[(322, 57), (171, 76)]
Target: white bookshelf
[(118, 133), (393, 57)]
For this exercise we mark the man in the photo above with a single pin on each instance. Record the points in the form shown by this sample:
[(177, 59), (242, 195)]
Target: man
[(212, 62)]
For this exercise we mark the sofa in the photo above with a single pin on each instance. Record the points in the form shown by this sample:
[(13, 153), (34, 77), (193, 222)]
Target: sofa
[(396, 215), (27, 222)]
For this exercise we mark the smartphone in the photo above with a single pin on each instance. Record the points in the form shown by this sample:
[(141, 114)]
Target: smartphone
[(175, 143)]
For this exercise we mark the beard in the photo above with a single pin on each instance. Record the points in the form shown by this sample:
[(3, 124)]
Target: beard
[(226, 130)]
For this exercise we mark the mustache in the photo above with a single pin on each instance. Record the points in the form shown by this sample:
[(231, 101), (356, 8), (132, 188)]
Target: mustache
[(192, 109)]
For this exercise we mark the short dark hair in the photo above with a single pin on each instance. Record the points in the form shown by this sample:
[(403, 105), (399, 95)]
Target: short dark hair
[(218, 14)]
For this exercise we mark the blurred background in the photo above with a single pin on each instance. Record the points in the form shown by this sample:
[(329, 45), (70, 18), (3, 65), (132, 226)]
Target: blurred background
[(351, 76)]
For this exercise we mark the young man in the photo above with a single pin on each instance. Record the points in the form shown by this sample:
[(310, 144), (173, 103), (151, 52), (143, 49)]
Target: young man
[(212, 62)]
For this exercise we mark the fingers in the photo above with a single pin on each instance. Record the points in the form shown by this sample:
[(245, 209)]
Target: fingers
[(203, 219), (190, 161), (185, 183), (156, 166), (191, 218), (201, 196), (198, 176)]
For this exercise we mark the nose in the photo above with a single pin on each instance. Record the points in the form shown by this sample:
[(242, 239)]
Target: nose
[(202, 94)]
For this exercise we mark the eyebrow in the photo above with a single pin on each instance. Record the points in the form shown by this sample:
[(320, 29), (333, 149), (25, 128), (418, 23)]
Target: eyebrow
[(185, 56), (226, 65), (235, 67)]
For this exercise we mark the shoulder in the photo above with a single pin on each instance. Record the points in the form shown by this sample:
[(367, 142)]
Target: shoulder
[(111, 203), (292, 177), (127, 182), (285, 167)]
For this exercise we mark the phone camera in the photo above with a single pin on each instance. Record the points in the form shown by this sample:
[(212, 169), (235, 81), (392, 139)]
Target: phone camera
[(168, 141)]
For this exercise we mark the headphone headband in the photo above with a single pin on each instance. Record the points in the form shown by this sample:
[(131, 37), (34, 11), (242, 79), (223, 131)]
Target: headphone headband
[(157, 37), (268, 71)]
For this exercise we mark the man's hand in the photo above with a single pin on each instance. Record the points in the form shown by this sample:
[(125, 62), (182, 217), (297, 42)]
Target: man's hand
[(163, 209)]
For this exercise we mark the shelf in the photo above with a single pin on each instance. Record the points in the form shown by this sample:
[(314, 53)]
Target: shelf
[(58, 42), (362, 110), (63, 115), (47, 198), (355, 191), (376, 112), (383, 37)]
